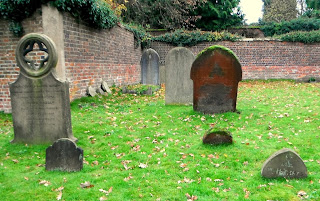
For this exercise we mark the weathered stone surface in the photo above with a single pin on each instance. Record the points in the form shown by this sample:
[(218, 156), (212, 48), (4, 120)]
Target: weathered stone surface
[(64, 155), (105, 87), (40, 102), (179, 88), (217, 138), (216, 73), (150, 67), (91, 91), (284, 163), (100, 91)]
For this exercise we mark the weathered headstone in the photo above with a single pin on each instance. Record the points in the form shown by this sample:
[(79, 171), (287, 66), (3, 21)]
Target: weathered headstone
[(284, 163), (64, 155), (150, 67), (105, 87), (40, 102), (91, 91), (217, 137), (216, 73), (179, 86)]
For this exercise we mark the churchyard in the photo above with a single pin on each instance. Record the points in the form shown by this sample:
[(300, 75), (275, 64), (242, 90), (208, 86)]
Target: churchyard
[(137, 148)]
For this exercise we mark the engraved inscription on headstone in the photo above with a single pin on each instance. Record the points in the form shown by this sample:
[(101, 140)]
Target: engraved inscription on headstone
[(64, 155), (179, 87), (216, 73), (150, 67), (40, 102), (284, 163)]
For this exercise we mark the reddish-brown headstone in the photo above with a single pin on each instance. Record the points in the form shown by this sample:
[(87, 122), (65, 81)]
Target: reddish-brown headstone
[(216, 73)]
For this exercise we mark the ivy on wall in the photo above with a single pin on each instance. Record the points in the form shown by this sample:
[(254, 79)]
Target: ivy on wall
[(96, 13)]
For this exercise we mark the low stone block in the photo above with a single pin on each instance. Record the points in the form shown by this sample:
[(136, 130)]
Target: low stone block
[(217, 137), (91, 91), (284, 163), (64, 155), (105, 87)]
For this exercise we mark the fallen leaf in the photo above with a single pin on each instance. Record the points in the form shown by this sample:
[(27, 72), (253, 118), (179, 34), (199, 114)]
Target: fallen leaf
[(217, 190), (15, 161), (191, 198), (86, 185), (142, 165), (45, 183), (59, 195), (302, 195)]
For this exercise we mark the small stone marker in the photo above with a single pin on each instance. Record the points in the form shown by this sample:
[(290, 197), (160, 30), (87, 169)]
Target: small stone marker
[(99, 91), (179, 86), (64, 155), (284, 163), (40, 102), (150, 67), (216, 73), (91, 91), (105, 87), (217, 138)]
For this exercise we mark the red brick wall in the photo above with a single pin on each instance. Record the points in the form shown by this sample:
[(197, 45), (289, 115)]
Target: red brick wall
[(265, 59), (9, 70), (93, 56)]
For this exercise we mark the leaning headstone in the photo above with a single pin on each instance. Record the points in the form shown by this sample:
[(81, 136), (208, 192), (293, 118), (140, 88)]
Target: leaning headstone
[(105, 87), (217, 137), (64, 155), (216, 73), (40, 102), (284, 163), (179, 87), (150, 67), (99, 90), (91, 91)]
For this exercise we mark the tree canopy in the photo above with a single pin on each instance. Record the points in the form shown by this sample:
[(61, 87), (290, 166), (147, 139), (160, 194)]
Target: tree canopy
[(280, 10), (218, 14), (175, 14)]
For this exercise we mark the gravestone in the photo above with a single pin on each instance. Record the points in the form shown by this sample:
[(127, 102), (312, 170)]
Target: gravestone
[(91, 91), (216, 73), (217, 138), (40, 102), (179, 86), (284, 163), (64, 155), (105, 87), (150, 67)]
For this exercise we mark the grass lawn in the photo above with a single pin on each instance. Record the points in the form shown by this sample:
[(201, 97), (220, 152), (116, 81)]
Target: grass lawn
[(136, 148)]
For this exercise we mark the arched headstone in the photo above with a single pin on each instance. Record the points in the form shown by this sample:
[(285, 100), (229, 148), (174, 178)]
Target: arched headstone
[(150, 67), (40, 102), (286, 164), (179, 86), (216, 73), (64, 155)]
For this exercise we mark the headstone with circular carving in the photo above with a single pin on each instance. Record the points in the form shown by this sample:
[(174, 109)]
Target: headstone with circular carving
[(40, 102)]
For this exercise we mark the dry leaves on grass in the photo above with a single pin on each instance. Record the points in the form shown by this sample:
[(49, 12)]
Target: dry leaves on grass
[(86, 184), (45, 183), (191, 197)]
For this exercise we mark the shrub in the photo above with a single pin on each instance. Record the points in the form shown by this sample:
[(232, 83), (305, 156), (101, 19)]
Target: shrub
[(301, 36), (191, 38), (300, 24), (142, 38)]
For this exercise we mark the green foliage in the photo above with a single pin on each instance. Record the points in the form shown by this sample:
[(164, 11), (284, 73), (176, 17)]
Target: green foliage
[(212, 48), (96, 13), (300, 24), (218, 15), (142, 38), (301, 36), (313, 4), (159, 14), (280, 10), (191, 38)]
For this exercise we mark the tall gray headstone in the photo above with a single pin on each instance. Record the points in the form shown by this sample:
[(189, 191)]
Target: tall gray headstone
[(179, 86), (64, 155), (150, 67), (284, 163), (40, 102)]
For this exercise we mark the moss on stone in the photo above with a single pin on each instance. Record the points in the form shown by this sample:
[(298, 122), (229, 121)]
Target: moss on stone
[(214, 47)]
